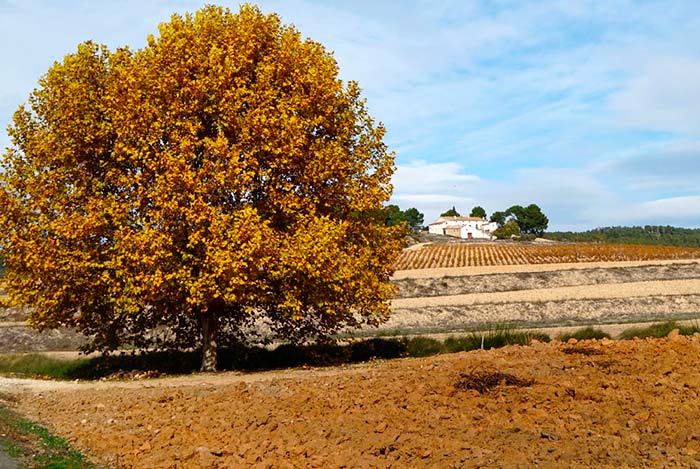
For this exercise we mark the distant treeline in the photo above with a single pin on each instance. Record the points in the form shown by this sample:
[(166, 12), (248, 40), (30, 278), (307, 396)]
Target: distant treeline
[(665, 235)]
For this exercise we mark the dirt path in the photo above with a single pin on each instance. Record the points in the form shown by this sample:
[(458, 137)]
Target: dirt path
[(604, 403), (14, 386)]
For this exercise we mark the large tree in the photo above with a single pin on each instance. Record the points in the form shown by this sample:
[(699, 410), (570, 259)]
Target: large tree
[(478, 212), (414, 218), (530, 219), (499, 218), (393, 216), (219, 182)]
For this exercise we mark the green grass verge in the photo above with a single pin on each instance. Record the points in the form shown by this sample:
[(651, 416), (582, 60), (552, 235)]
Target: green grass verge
[(39, 365), (586, 333), (34, 446), (495, 336), (659, 330)]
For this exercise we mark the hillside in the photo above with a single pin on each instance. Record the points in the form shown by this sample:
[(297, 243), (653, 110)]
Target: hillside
[(652, 235)]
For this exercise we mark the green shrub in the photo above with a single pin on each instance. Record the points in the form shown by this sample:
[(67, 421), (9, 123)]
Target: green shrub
[(496, 336), (507, 231), (37, 364), (659, 330), (585, 334), (501, 335), (423, 347), (246, 358)]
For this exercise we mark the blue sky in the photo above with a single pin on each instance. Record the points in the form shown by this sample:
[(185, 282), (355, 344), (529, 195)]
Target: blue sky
[(590, 109)]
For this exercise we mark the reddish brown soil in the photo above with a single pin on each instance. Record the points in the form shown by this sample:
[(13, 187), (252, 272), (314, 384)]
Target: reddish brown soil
[(627, 403)]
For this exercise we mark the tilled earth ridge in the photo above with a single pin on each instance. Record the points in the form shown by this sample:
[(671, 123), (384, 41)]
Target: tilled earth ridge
[(593, 403)]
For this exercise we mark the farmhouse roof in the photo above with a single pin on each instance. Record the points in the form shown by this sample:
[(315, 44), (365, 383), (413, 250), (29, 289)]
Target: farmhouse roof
[(444, 219)]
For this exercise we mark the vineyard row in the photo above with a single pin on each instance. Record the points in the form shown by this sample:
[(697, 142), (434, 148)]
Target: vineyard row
[(470, 255)]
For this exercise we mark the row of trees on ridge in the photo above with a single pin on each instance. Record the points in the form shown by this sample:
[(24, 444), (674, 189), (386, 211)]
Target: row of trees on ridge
[(394, 216)]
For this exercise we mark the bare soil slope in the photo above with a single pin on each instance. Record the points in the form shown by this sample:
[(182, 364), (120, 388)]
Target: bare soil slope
[(606, 403)]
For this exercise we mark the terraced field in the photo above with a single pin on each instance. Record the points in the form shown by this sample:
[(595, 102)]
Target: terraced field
[(466, 286), (494, 254)]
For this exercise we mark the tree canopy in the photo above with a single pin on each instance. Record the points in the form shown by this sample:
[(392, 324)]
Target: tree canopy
[(508, 230), (499, 217), (661, 235), (530, 219), (219, 183), (450, 213), (478, 212), (393, 216), (414, 218)]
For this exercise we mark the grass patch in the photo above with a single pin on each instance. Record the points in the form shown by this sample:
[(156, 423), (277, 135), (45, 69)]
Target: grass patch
[(586, 333), (34, 446), (425, 347), (496, 336), (659, 330), (39, 365)]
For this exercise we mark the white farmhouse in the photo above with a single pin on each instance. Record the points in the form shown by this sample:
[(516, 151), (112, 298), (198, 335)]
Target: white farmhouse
[(463, 227)]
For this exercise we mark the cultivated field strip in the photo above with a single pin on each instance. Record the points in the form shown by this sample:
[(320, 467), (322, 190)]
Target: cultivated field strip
[(537, 314), (440, 272), (410, 287), (541, 295), (475, 255), (581, 292)]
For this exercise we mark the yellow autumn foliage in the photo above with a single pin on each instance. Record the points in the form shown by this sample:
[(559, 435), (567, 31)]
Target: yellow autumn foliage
[(219, 179)]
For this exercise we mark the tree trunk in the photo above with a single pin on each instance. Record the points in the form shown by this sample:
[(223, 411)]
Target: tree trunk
[(209, 346)]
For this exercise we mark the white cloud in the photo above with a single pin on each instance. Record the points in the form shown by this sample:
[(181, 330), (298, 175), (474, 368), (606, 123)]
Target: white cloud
[(562, 194), (672, 209), (661, 166), (663, 96), (572, 198)]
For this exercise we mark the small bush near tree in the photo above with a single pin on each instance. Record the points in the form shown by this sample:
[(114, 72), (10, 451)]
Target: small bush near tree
[(507, 231), (585, 334), (659, 330)]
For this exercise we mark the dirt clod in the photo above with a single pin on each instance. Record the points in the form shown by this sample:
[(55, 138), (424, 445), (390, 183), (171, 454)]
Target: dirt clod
[(484, 380), (582, 351)]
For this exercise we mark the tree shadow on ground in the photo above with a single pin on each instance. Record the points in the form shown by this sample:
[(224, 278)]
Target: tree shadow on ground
[(241, 358)]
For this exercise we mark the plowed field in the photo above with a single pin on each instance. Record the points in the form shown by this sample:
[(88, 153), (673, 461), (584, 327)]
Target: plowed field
[(590, 404), (489, 254)]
